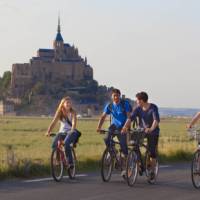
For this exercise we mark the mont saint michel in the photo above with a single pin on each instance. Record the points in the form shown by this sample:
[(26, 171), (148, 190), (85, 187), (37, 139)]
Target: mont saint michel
[(50, 75), (61, 63)]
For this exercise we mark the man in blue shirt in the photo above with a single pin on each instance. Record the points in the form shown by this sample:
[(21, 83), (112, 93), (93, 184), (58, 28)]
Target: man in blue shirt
[(119, 110), (149, 119)]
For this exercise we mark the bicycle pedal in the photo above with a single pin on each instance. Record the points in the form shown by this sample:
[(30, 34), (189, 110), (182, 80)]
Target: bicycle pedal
[(71, 166)]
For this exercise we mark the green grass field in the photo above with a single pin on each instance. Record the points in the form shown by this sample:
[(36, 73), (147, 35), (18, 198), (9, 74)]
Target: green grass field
[(25, 151)]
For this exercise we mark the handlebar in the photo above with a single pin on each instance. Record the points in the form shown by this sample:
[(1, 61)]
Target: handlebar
[(52, 134), (135, 130), (138, 130), (116, 132), (103, 131)]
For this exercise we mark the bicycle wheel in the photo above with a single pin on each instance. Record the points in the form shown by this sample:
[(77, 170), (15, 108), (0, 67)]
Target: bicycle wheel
[(72, 171), (131, 168), (195, 170), (56, 165), (148, 169), (106, 165)]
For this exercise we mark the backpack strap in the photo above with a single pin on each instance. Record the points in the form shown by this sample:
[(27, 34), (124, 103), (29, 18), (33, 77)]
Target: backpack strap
[(110, 109), (68, 121), (123, 106), (123, 102)]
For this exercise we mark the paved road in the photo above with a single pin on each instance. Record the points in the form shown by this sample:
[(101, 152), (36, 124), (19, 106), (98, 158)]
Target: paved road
[(174, 183)]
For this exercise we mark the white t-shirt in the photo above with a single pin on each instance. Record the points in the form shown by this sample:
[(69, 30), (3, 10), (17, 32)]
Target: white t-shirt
[(64, 125)]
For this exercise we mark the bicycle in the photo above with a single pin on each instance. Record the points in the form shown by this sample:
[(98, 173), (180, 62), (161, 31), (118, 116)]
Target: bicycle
[(194, 133), (111, 158), (59, 161), (135, 163)]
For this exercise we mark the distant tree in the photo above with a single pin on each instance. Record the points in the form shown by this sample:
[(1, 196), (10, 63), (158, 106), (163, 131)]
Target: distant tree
[(5, 84), (5, 80)]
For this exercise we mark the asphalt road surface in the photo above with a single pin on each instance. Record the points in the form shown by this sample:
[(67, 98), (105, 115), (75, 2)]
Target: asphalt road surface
[(174, 182)]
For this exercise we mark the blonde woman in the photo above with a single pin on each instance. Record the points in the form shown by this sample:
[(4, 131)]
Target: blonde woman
[(68, 119)]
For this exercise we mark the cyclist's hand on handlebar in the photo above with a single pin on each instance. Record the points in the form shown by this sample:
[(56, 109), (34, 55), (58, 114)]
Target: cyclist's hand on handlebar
[(124, 130), (98, 130), (47, 134), (189, 126), (147, 130)]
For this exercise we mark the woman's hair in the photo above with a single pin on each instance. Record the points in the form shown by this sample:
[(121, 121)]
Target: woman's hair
[(59, 111)]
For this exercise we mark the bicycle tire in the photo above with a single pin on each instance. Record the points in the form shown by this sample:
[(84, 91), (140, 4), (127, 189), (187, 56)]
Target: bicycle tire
[(195, 163), (106, 163), (72, 171), (147, 170), (131, 164), (56, 162)]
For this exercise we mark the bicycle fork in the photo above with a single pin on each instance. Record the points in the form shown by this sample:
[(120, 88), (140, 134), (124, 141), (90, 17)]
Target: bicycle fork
[(140, 162)]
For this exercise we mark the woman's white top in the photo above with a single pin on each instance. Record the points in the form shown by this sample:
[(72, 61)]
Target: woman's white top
[(64, 125)]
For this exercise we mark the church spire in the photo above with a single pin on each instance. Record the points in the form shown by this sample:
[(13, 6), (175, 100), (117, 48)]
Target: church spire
[(59, 36), (59, 24)]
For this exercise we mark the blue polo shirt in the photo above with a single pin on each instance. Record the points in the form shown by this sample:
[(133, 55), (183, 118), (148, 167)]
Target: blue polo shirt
[(118, 112), (147, 117)]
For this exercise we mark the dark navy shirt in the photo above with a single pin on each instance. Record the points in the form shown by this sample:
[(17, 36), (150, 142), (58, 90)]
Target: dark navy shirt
[(147, 117), (118, 112)]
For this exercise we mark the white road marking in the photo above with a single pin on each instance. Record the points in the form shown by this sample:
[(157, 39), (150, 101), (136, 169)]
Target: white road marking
[(79, 175), (165, 166), (50, 179)]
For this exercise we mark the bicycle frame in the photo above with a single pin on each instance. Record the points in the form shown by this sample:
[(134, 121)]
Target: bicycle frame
[(136, 147), (61, 150), (112, 146)]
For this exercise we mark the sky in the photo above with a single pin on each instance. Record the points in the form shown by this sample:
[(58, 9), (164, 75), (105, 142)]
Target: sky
[(134, 45)]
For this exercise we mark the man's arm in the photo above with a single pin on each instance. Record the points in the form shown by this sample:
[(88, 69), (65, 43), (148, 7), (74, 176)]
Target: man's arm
[(52, 125), (126, 126), (131, 116), (156, 121), (101, 121), (153, 127), (194, 120)]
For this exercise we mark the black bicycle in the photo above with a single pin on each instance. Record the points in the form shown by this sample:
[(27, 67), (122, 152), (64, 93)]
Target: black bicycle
[(195, 166), (136, 164), (112, 158)]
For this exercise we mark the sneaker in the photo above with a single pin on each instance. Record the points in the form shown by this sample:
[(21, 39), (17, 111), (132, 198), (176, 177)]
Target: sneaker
[(123, 173), (152, 176), (71, 166)]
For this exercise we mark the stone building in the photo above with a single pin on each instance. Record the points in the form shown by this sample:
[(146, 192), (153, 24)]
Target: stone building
[(6, 108), (63, 62)]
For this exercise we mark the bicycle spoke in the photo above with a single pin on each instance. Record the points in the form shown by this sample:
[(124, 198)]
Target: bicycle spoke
[(195, 170), (106, 165), (72, 170), (131, 168), (56, 165)]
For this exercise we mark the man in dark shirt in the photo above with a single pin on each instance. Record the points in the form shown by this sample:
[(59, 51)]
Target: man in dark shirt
[(148, 116)]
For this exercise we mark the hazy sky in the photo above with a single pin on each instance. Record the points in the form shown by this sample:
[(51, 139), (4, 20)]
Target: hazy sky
[(151, 45)]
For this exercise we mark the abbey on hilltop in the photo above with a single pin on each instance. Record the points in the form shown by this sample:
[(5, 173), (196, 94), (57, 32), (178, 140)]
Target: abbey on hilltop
[(60, 64)]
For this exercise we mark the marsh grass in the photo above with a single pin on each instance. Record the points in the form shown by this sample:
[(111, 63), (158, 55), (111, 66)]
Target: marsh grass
[(25, 151)]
